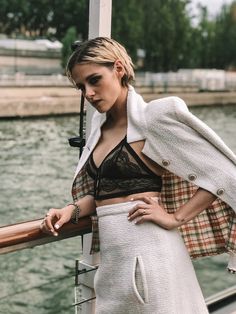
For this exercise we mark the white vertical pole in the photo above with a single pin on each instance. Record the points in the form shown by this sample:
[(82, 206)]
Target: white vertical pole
[(99, 25), (100, 18)]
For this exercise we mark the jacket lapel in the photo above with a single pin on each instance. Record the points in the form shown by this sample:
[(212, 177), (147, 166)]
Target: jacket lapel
[(136, 125)]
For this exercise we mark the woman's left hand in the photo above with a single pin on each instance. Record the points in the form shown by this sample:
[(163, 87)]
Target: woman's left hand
[(150, 210)]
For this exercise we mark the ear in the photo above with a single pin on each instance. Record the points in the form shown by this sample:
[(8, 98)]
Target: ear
[(119, 68)]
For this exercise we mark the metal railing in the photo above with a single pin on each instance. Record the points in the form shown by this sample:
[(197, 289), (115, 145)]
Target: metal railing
[(28, 234), (223, 301)]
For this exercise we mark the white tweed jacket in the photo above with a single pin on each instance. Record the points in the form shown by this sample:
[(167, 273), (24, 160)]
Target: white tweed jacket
[(178, 141)]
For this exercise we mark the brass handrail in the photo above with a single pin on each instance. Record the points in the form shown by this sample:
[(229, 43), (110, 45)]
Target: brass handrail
[(28, 234)]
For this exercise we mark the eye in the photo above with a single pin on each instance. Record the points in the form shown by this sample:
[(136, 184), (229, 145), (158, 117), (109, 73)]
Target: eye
[(94, 80)]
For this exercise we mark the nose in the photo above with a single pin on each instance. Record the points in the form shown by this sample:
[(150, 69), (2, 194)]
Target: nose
[(89, 92)]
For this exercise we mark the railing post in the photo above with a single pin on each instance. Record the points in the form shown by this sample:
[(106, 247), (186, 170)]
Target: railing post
[(99, 25)]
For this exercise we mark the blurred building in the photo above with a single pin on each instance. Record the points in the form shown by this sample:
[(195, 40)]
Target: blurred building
[(31, 57)]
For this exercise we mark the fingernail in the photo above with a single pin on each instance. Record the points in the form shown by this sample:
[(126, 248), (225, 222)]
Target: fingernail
[(51, 230), (55, 234), (56, 226), (132, 199)]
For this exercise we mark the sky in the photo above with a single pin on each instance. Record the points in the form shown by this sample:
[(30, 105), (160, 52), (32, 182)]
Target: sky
[(213, 6)]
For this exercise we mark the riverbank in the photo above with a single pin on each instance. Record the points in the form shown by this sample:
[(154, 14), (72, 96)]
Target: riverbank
[(46, 101)]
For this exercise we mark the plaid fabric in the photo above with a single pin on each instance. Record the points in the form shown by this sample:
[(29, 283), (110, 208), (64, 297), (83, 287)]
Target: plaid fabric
[(211, 232), (82, 185)]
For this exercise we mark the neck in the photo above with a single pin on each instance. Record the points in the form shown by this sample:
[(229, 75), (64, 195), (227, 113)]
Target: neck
[(118, 113)]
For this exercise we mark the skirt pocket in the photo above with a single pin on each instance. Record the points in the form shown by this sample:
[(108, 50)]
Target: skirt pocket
[(139, 280)]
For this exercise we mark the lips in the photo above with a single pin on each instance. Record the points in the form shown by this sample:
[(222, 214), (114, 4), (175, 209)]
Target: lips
[(95, 102)]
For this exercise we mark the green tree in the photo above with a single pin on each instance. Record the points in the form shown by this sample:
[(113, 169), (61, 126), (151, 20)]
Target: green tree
[(225, 38), (202, 41), (166, 25), (127, 24), (70, 37), (13, 14), (44, 18), (68, 13)]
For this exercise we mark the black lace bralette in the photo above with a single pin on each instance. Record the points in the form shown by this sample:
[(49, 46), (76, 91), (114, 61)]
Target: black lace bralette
[(122, 173)]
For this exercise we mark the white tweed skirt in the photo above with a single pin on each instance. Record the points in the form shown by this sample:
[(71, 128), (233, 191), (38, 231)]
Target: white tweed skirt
[(143, 268)]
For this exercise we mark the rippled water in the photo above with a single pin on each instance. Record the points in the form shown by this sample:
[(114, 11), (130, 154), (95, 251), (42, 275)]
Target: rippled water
[(37, 167)]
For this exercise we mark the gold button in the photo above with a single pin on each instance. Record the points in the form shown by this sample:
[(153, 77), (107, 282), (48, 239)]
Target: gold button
[(220, 191), (192, 177), (165, 162)]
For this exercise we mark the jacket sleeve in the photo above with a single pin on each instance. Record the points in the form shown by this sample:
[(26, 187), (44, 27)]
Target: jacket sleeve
[(187, 147)]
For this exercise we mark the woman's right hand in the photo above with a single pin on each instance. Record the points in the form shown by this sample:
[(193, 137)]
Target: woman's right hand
[(55, 219)]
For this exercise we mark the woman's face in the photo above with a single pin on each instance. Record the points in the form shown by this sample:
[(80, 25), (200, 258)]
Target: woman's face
[(100, 85)]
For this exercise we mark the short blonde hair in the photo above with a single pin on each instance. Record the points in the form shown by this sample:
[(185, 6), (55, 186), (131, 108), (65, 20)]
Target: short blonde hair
[(104, 51)]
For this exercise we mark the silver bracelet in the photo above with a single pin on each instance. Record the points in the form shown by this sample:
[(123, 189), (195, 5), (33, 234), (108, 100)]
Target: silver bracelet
[(75, 214)]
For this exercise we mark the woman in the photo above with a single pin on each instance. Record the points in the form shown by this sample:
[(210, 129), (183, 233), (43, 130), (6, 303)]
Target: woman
[(133, 155)]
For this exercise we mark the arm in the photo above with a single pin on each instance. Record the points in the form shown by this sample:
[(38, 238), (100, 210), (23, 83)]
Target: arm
[(56, 218), (150, 210), (201, 200)]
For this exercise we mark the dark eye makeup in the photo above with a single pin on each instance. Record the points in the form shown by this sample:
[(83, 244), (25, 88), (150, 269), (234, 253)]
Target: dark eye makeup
[(94, 80)]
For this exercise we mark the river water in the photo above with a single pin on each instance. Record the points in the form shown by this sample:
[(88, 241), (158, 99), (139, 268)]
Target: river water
[(37, 167)]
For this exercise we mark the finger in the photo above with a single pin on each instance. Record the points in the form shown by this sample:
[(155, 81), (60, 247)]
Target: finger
[(145, 199), (44, 228), (139, 213), (48, 221), (48, 224), (59, 223), (41, 226), (145, 212), (137, 207), (141, 219)]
